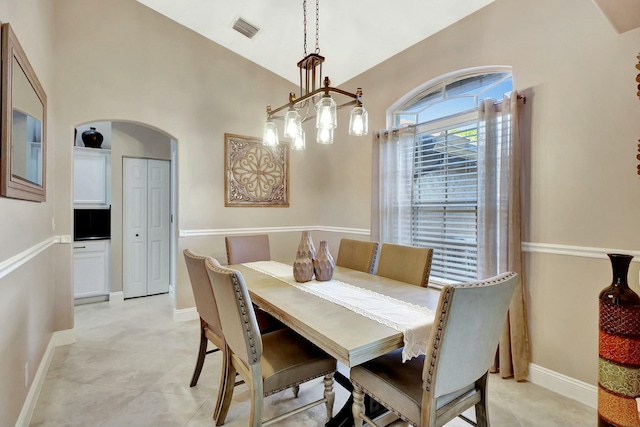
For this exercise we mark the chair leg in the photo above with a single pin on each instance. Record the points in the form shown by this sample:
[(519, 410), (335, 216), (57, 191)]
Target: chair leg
[(222, 389), (257, 396), (329, 394), (201, 355), (482, 407), (229, 384), (295, 389), (358, 406)]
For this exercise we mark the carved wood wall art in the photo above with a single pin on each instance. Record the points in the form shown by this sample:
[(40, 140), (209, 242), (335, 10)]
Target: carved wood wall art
[(255, 175)]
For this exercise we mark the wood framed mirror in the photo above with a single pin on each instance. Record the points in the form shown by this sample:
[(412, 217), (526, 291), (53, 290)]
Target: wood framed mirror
[(23, 125)]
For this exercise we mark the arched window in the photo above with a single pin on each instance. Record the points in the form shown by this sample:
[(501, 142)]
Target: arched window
[(440, 161)]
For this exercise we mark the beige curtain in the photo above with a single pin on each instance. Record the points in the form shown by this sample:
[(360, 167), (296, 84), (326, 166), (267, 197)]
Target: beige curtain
[(499, 238), (391, 188)]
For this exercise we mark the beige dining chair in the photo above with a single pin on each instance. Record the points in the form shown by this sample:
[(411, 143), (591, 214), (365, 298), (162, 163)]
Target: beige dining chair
[(268, 363), (431, 390), (407, 264), (241, 249), (357, 255), (210, 326), (247, 248)]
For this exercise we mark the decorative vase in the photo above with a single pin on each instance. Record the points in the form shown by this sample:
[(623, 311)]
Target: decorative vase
[(303, 265), (306, 248), (323, 263), (303, 269), (92, 138), (619, 349)]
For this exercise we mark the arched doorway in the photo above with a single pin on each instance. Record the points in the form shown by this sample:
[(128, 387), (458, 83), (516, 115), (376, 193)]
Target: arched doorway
[(122, 140)]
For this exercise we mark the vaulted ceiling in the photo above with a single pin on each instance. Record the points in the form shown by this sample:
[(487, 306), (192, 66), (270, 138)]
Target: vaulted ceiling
[(354, 35)]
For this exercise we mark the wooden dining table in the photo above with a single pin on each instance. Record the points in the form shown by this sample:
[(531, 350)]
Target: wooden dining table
[(349, 337)]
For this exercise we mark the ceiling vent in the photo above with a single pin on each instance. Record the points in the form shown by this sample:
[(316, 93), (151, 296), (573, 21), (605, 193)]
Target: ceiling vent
[(245, 28)]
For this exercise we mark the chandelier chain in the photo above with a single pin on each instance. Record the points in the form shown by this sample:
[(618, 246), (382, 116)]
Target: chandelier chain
[(317, 26), (304, 10)]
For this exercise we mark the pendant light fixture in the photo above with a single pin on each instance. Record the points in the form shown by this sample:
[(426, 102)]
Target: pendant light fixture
[(314, 101)]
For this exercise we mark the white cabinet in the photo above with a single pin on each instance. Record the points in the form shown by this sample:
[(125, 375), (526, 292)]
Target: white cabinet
[(91, 176), (90, 268)]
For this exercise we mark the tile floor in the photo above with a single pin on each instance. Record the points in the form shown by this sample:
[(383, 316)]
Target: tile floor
[(131, 366)]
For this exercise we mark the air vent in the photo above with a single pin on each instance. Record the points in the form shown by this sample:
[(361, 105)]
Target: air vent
[(245, 28)]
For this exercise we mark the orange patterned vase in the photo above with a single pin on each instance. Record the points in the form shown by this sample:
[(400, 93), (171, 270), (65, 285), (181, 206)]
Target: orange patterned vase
[(619, 350)]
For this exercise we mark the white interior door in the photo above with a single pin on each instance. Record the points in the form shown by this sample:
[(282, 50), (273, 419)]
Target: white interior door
[(158, 226), (146, 227), (134, 227)]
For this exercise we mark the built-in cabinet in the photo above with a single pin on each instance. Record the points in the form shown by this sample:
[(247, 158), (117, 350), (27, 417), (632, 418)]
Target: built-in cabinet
[(91, 176), (91, 190), (90, 268)]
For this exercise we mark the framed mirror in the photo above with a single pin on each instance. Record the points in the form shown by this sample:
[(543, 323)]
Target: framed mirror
[(23, 125)]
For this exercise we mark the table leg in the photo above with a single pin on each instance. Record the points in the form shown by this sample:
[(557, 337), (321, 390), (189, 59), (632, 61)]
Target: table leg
[(344, 418)]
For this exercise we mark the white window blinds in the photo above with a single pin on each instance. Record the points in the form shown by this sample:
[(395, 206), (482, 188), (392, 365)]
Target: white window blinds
[(445, 195)]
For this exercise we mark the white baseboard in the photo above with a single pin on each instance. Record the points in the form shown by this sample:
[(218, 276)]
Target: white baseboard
[(185, 314), (116, 297), (57, 339), (577, 390), (65, 337)]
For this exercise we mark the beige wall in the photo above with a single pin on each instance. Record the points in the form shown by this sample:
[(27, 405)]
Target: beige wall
[(28, 304), (581, 186)]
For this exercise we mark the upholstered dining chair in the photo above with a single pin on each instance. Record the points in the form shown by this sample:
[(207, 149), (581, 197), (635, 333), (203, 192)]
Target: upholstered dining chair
[(407, 264), (242, 249), (247, 248), (210, 326), (357, 255), (268, 363), (431, 390)]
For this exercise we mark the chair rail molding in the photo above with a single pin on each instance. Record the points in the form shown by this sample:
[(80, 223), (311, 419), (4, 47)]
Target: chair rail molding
[(258, 230), (577, 251), (25, 256), (534, 247)]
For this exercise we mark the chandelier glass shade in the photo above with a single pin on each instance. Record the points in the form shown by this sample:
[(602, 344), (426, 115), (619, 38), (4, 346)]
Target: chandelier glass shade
[(292, 124), (358, 122), (326, 113), (324, 136), (270, 134), (315, 100), (298, 143)]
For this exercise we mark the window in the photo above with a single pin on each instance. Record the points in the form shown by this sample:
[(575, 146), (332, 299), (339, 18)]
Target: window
[(443, 157)]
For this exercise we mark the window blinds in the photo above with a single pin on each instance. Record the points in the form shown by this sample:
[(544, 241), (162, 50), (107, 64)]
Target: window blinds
[(444, 213)]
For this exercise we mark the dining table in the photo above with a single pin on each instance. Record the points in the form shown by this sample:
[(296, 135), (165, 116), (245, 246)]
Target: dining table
[(350, 335)]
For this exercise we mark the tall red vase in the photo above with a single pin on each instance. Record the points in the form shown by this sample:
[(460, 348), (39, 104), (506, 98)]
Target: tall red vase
[(619, 350)]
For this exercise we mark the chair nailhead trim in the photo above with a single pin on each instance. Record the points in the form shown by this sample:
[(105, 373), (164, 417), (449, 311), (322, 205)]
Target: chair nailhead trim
[(245, 316), (375, 258), (436, 345)]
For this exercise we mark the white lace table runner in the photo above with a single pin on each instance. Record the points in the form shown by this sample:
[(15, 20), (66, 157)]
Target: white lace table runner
[(412, 320)]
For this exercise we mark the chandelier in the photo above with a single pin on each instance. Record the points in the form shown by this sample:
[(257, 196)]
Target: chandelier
[(314, 101)]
